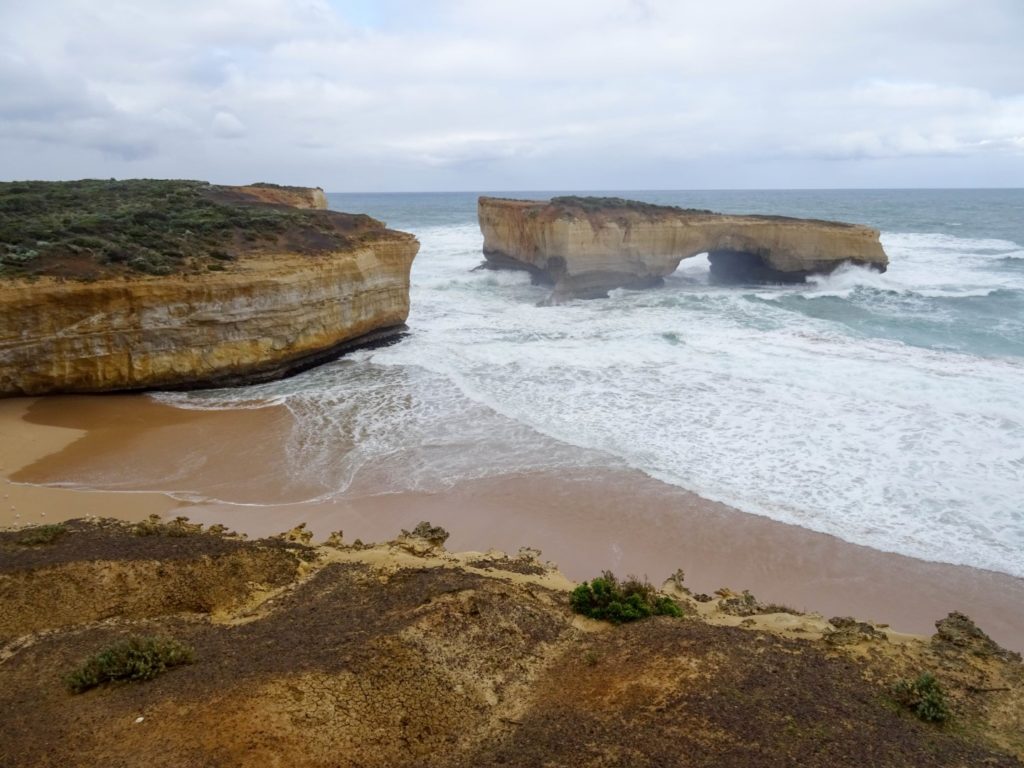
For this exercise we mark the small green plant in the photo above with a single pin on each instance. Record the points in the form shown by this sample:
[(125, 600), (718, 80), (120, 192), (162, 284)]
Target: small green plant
[(924, 697), (154, 525), (41, 534), (137, 658), (608, 599)]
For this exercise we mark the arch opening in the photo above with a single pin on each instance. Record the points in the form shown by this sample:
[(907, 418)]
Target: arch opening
[(738, 267)]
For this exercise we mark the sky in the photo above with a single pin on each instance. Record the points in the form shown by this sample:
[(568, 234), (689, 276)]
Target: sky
[(421, 95)]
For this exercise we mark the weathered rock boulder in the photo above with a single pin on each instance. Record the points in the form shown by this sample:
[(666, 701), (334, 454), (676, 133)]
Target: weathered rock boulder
[(585, 246), (263, 291)]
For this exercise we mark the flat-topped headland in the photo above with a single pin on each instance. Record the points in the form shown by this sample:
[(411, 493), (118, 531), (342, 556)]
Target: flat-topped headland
[(585, 246), (144, 284), (164, 644)]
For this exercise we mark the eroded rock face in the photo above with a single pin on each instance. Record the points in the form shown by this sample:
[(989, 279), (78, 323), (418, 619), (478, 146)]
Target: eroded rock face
[(586, 246), (294, 197), (280, 308)]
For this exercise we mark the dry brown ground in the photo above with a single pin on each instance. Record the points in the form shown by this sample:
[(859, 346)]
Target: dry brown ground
[(404, 655)]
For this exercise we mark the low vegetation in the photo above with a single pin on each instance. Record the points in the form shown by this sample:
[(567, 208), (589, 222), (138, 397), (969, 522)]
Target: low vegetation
[(91, 228), (608, 599), (39, 535), (924, 697), (137, 658), (602, 203), (155, 525)]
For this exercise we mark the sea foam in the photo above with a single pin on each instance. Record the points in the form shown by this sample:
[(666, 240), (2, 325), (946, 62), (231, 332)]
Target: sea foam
[(884, 409)]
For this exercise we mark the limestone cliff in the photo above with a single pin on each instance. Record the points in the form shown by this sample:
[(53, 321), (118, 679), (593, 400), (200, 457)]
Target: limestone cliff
[(300, 292), (586, 246)]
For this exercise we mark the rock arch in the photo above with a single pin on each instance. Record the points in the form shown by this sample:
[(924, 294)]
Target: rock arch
[(585, 246)]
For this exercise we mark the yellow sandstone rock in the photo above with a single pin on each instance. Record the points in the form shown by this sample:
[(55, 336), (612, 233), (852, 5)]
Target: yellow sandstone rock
[(293, 197), (264, 315), (586, 246)]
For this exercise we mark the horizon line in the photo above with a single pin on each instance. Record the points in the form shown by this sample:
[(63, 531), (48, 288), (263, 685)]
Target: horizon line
[(672, 189)]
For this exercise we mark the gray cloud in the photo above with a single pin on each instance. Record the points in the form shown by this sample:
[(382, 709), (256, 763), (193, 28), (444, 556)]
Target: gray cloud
[(461, 94)]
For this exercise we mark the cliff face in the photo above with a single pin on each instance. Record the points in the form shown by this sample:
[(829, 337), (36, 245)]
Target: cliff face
[(586, 246), (295, 197), (266, 310)]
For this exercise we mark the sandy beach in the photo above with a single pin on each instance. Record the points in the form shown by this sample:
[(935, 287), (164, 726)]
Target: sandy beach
[(23, 443), (585, 521)]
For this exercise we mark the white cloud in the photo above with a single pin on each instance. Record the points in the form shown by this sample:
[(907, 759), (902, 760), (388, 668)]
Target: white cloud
[(399, 94), (227, 126)]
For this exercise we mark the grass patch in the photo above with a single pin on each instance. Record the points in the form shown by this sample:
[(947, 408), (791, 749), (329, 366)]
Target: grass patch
[(41, 535), (137, 658), (608, 599), (924, 697)]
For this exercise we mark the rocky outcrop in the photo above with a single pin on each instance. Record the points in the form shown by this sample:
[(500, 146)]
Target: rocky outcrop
[(397, 656), (326, 283), (273, 194), (586, 246)]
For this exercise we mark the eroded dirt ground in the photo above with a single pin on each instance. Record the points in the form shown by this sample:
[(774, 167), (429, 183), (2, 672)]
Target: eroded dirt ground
[(404, 655)]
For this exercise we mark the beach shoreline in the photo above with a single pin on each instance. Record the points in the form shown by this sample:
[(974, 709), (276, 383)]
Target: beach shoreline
[(23, 443), (586, 521)]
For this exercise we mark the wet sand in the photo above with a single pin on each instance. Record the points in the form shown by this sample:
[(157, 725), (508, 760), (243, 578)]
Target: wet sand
[(22, 444), (585, 521)]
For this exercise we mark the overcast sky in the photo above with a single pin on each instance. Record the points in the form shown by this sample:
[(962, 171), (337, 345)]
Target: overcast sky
[(396, 95)]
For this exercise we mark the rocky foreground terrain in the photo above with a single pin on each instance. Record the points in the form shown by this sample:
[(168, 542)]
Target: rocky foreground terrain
[(402, 654), (585, 246), (144, 284)]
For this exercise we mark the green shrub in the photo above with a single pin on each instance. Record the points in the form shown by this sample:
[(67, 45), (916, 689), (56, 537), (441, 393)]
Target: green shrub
[(154, 525), (137, 658), (608, 599), (924, 697), (41, 534)]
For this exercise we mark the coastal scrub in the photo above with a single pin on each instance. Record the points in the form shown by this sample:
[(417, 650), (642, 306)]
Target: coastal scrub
[(607, 599), (924, 697), (39, 535), (137, 658), (96, 228)]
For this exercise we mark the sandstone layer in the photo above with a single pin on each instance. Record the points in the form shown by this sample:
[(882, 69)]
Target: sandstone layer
[(302, 292), (586, 246)]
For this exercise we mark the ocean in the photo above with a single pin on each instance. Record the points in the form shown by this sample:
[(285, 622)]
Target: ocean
[(884, 409)]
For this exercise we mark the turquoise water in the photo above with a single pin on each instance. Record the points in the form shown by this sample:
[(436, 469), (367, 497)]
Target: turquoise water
[(887, 409)]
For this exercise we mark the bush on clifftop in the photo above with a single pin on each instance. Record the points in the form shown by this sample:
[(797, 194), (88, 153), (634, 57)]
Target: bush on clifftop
[(39, 535), (924, 697), (137, 658), (608, 599)]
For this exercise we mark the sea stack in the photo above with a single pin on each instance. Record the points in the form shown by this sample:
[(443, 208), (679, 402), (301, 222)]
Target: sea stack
[(585, 246), (127, 285)]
